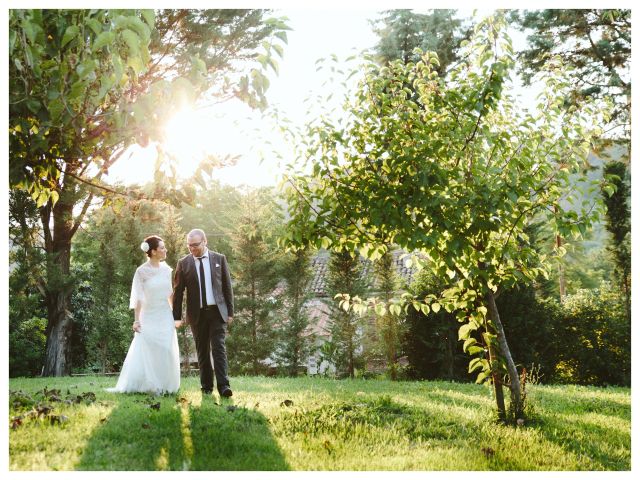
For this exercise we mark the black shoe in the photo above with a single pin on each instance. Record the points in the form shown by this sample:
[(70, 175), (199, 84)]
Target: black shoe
[(226, 393), (206, 391)]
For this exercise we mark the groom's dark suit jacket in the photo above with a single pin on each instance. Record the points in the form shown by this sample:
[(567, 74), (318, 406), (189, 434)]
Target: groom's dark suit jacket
[(186, 277)]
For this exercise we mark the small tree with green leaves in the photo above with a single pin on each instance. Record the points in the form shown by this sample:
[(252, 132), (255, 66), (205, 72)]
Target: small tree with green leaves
[(457, 174)]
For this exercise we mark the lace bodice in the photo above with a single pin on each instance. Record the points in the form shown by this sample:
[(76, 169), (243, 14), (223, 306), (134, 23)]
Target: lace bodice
[(151, 286)]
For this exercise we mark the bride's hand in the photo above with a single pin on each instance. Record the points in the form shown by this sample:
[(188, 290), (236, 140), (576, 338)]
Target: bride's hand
[(178, 323), (136, 327)]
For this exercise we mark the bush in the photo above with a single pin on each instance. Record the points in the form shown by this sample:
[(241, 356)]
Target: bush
[(28, 343), (595, 336)]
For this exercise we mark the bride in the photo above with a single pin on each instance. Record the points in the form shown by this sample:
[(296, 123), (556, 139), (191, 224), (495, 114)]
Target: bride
[(152, 363)]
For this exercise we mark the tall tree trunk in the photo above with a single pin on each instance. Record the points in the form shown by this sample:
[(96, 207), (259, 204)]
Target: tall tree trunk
[(58, 296), (514, 379)]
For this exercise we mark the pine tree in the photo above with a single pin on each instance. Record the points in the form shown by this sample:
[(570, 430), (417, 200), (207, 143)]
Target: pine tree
[(295, 342), (252, 336), (345, 276), (619, 225), (401, 31), (389, 327)]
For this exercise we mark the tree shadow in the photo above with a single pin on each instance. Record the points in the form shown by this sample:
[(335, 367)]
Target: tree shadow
[(164, 433)]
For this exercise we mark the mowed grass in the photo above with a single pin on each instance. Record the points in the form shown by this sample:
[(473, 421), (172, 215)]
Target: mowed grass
[(320, 424)]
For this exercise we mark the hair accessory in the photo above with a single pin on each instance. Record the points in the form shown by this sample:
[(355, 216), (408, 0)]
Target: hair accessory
[(144, 246)]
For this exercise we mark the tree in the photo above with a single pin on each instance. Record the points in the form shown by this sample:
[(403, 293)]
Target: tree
[(402, 31), (431, 339), (345, 276), (595, 43), (216, 212), (456, 175), (255, 272), (27, 311), (107, 253), (595, 324), (83, 85), (295, 341), (389, 326), (619, 226)]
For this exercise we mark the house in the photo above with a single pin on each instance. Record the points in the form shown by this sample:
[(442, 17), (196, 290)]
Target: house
[(318, 311)]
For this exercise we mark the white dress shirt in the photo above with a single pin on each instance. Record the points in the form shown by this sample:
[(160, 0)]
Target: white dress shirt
[(207, 275)]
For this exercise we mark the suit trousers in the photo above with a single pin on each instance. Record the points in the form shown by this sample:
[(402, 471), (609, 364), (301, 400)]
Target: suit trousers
[(209, 335)]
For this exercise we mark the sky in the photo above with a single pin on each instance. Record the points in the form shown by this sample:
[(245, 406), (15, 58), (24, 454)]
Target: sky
[(234, 129)]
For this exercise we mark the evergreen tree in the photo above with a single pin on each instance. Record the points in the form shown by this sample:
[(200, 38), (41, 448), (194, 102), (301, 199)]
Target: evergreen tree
[(596, 43), (619, 225), (389, 326), (174, 240), (401, 31), (345, 276), (431, 340), (295, 342), (253, 335)]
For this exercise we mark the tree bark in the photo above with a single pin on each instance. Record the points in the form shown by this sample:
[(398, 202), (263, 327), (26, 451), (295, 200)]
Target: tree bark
[(514, 379), (58, 296), (497, 385)]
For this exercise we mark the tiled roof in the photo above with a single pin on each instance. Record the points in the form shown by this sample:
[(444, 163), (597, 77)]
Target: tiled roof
[(320, 269)]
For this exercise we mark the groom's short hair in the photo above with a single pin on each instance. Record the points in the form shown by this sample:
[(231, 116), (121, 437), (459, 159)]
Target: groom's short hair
[(197, 231)]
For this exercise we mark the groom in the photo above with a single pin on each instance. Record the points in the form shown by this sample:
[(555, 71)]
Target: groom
[(205, 276)]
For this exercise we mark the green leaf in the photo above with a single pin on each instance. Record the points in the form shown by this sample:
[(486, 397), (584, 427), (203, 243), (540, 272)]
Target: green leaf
[(282, 36), (475, 363), (435, 306), (104, 38), (279, 50), (149, 16), (55, 109), (472, 350), (465, 330), (70, 33), (132, 40), (29, 30), (12, 40), (483, 376), (94, 25), (468, 343), (55, 196)]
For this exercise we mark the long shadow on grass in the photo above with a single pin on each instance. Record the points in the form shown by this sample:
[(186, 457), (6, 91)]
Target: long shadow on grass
[(139, 434), (610, 447), (344, 420), (227, 437)]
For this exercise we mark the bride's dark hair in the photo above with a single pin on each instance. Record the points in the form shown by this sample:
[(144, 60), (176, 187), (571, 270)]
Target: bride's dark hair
[(154, 242)]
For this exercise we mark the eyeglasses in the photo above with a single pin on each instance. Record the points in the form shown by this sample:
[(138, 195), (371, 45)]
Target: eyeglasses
[(195, 245)]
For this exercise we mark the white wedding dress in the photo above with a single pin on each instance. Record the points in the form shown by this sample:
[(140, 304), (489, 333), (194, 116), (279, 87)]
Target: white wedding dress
[(153, 362)]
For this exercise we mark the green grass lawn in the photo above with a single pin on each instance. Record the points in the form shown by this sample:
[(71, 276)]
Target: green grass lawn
[(326, 425)]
